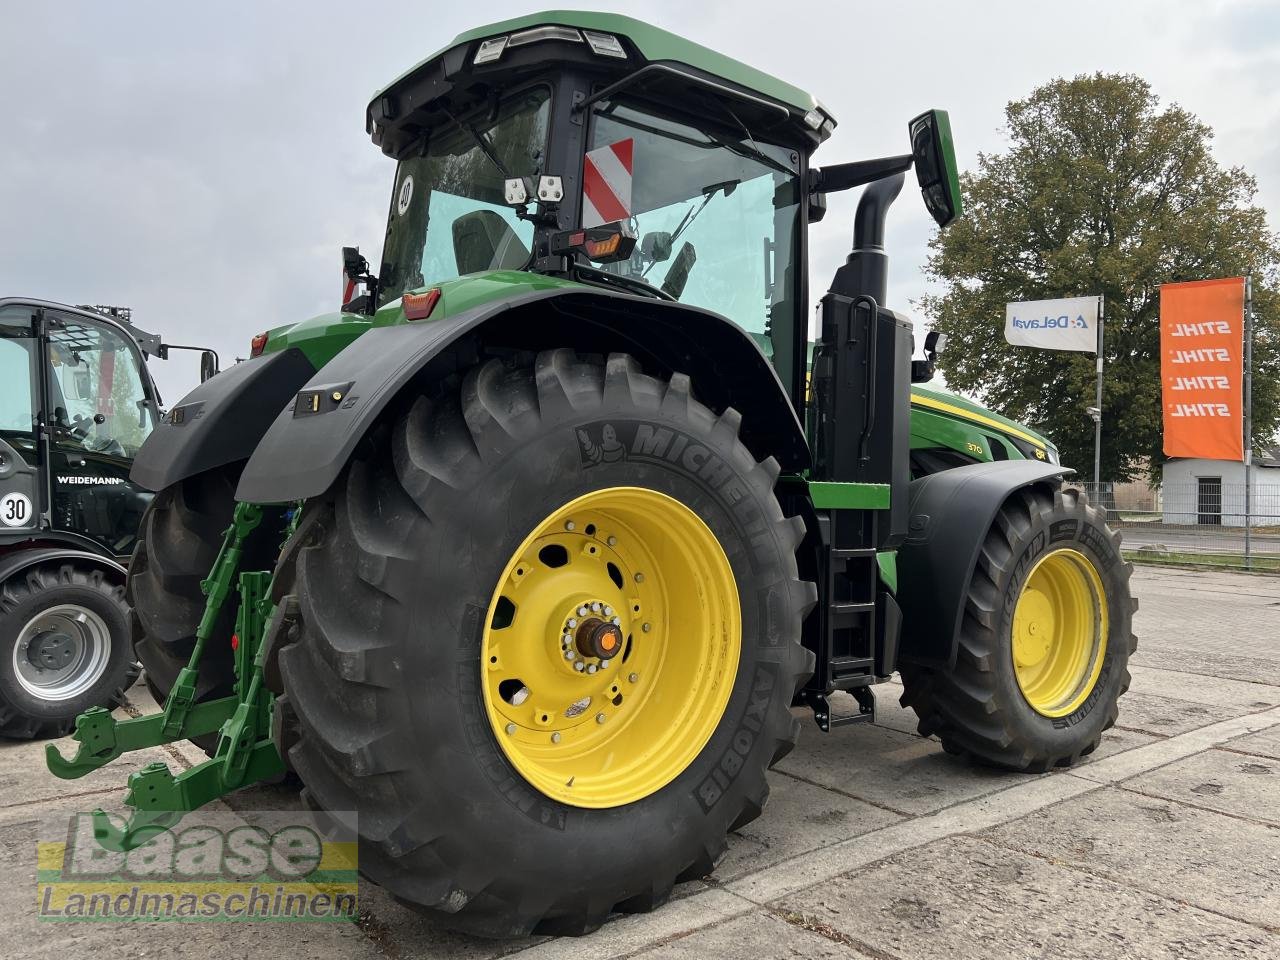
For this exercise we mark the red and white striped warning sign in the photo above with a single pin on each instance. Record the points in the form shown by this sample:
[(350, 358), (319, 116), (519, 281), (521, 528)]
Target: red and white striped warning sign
[(606, 184)]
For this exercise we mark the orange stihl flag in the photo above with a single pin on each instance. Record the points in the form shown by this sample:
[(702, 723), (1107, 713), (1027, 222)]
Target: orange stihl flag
[(1202, 368)]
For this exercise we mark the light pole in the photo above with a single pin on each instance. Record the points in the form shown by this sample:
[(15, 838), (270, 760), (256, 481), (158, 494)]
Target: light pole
[(1096, 414)]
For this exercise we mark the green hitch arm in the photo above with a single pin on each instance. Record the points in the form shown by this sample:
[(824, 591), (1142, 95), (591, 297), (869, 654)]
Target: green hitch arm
[(160, 799), (217, 588), (246, 753), (102, 738)]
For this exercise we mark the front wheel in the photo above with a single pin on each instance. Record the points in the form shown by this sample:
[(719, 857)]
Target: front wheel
[(548, 634), (64, 647), (1044, 641)]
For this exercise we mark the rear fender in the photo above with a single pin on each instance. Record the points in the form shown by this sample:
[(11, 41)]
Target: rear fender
[(949, 515), (306, 447), (220, 421)]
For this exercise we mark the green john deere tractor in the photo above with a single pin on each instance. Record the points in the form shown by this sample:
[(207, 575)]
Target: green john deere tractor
[(531, 550)]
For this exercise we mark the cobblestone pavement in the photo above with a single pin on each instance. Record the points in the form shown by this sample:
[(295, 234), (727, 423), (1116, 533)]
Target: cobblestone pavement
[(877, 845)]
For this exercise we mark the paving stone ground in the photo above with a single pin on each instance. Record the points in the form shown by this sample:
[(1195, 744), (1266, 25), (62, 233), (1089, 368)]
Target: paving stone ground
[(875, 844)]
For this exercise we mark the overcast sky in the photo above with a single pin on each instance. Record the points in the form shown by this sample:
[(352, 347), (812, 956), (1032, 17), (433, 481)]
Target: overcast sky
[(204, 163)]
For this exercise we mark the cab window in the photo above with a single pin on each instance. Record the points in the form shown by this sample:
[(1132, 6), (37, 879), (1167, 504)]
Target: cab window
[(97, 399)]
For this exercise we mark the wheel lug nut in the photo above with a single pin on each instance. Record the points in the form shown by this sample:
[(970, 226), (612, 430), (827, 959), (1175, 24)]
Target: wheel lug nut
[(603, 664), (572, 623), (569, 525), (633, 677), (595, 606), (591, 668), (639, 578), (647, 627), (583, 611), (612, 541), (600, 718), (555, 738), (617, 622), (568, 654), (511, 728), (579, 666)]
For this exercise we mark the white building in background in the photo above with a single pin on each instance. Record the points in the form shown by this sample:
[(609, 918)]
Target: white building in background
[(1211, 492)]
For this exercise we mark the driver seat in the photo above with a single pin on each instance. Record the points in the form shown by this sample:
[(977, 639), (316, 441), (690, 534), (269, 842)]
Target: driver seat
[(483, 240)]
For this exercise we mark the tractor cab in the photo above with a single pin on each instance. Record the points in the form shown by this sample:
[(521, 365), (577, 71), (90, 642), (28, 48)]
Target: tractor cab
[(594, 149)]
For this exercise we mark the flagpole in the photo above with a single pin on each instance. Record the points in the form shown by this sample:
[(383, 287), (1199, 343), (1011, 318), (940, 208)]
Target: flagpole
[(1097, 423), (1248, 420)]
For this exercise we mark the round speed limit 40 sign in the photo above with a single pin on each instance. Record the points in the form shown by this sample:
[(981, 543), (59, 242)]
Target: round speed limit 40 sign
[(15, 510)]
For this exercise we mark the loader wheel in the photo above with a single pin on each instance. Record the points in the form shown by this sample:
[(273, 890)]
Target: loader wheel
[(64, 647), (1044, 643), (178, 540), (548, 634)]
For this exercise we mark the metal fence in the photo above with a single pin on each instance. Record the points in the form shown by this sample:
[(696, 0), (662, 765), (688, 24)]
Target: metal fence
[(1206, 522)]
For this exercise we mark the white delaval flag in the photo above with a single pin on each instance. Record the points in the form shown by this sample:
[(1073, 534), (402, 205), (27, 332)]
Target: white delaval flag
[(1067, 324)]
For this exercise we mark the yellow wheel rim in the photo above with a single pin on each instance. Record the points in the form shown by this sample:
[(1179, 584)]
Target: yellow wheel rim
[(1059, 633), (611, 647)]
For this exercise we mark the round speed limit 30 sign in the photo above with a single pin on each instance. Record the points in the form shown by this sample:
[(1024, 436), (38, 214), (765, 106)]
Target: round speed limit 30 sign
[(15, 510)]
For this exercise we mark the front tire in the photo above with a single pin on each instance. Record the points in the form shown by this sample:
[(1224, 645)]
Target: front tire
[(395, 701), (64, 647), (1044, 641)]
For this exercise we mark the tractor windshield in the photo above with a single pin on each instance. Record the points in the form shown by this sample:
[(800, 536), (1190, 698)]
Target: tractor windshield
[(448, 215), (715, 213)]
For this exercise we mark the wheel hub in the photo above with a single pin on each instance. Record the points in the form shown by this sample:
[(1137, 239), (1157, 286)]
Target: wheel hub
[(599, 639), (51, 650), (61, 652)]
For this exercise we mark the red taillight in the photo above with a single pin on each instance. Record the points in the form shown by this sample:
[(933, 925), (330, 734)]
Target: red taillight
[(257, 345), (418, 306), (235, 642)]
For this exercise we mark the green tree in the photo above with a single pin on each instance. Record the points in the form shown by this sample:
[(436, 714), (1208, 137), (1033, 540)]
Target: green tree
[(1099, 191)]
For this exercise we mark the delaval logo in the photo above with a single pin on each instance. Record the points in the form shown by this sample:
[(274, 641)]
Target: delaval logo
[(1063, 322), (1069, 323)]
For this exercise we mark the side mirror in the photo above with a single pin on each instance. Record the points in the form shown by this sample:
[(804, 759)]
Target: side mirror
[(355, 270), (934, 153), (655, 246), (208, 365), (934, 342), (678, 275), (922, 371)]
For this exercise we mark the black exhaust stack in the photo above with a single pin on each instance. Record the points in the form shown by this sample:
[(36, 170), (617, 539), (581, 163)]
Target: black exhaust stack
[(862, 374), (861, 435)]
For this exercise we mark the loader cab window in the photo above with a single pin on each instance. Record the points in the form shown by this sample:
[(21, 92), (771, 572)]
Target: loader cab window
[(97, 400), (448, 212), (715, 211), (17, 385)]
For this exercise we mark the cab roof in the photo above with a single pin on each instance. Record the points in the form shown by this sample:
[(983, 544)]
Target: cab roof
[(654, 43), (646, 44)]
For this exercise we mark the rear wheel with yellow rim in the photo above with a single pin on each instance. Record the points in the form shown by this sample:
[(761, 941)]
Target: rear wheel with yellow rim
[(1045, 639), (548, 634)]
